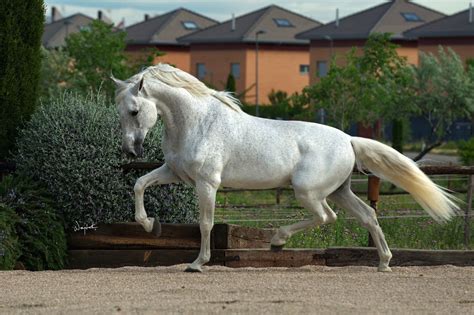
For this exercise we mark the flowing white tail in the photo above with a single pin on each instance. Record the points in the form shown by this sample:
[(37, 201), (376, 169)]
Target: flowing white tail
[(389, 164)]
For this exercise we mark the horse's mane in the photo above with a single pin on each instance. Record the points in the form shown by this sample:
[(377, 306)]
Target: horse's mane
[(177, 78)]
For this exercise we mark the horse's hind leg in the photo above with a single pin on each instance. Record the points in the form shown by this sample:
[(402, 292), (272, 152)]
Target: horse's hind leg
[(346, 199), (321, 211)]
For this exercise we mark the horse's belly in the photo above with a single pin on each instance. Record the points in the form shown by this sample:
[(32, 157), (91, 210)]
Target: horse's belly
[(256, 177)]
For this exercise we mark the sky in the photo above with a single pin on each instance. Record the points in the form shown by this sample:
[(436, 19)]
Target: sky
[(320, 10)]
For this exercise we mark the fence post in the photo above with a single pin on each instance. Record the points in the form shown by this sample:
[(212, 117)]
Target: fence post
[(373, 192), (467, 231), (278, 195)]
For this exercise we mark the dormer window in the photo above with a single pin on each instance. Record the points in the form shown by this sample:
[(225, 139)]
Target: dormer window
[(190, 25), (411, 17), (283, 23)]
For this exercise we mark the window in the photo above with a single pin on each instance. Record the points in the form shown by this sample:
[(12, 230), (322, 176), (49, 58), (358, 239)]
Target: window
[(235, 70), (201, 70), (411, 17), (304, 69), (85, 28), (322, 68), (190, 25), (283, 23)]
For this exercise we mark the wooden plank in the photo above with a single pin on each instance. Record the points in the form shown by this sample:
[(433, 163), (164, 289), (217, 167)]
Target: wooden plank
[(448, 169), (229, 236), (401, 257), (84, 259), (174, 236), (133, 236), (260, 258), (149, 166)]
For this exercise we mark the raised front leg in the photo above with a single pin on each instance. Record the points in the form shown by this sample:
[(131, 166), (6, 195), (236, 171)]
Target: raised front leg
[(207, 197), (160, 176)]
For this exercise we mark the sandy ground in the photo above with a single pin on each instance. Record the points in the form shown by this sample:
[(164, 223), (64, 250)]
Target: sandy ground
[(312, 289)]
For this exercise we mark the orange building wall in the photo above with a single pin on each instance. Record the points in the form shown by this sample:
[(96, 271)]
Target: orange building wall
[(464, 47), (322, 51), (278, 67), (178, 56), (217, 60)]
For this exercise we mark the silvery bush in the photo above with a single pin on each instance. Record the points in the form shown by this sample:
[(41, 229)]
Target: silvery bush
[(72, 146)]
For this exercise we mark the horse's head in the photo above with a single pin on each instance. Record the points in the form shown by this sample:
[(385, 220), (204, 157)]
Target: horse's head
[(137, 115)]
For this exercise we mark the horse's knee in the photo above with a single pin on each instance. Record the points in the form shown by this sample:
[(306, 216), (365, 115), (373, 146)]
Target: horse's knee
[(139, 186)]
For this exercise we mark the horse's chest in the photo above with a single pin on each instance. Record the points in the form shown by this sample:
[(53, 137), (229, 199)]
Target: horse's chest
[(185, 167)]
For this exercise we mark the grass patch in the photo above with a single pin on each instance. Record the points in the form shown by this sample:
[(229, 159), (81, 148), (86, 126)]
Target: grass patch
[(413, 230)]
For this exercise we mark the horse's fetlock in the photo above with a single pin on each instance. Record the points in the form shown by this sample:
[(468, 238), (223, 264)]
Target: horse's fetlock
[(205, 227), (140, 218), (331, 218)]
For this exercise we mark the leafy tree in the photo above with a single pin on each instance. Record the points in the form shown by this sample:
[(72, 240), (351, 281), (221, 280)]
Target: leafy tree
[(335, 93), (282, 106), (444, 94), (21, 27), (376, 84), (56, 73), (230, 84), (97, 52)]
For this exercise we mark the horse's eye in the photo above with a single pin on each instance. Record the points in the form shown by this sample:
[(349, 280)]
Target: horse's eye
[(134, 113)]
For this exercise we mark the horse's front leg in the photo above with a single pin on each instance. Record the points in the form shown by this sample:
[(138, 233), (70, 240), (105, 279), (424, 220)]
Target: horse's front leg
[(207, 197), (160, 176)]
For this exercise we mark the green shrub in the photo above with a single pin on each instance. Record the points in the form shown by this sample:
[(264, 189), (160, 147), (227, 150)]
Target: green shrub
[(72, 145), (466, 151), (21, 25), (9, 246), (40, 231)]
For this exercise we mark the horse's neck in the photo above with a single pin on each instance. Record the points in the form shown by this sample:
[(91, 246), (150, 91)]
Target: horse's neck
[(182, 116)]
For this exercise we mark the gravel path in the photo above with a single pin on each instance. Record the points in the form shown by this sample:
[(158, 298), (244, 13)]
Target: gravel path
[(312, 289)]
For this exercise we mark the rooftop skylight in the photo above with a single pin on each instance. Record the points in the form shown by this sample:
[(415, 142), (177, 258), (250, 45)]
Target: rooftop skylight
[(190, 25), (411, 17), (283, 23)]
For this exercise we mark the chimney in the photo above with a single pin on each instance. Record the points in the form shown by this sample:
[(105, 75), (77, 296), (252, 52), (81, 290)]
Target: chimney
[(147, 17), (337, 17), (470, 12), (233, 22), (99, 15), (54, 14)]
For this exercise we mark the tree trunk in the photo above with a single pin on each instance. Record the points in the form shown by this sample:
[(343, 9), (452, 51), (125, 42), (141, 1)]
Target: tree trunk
[(397, 135), (426, 151)]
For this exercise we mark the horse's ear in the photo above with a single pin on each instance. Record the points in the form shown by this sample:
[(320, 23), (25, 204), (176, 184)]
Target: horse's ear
[(118, 83), (138, 87)]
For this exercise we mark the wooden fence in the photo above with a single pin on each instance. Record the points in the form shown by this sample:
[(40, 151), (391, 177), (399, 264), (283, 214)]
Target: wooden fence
[(373, 188)]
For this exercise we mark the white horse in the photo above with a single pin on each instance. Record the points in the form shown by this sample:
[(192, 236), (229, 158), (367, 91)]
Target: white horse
[(208, 141)]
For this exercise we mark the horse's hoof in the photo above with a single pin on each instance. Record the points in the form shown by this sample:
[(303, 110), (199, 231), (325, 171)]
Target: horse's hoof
[(156, 228), (384, 269), (193, 269), (276, 248)]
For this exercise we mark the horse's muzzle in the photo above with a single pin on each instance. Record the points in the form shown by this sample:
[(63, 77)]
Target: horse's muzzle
[(135, 152)]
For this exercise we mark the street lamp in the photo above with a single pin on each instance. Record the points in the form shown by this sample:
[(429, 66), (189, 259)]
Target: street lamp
[(331, 44), (256, 70)]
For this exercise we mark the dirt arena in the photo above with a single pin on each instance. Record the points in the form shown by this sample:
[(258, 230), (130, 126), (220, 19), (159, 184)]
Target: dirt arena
[(312, 289)]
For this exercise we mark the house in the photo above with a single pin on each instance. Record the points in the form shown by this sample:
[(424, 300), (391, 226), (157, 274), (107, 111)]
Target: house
[(455, 31), (338, 37), (161, 32), (233, 47), (59, 28)]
